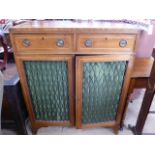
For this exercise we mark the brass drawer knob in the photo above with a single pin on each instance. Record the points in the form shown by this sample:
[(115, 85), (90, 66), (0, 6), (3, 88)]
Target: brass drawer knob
[(122, 43), (26, 42), (60, 43), (88, 43)]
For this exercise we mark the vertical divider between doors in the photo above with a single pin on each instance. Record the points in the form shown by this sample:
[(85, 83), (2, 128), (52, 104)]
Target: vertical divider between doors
[(71, 89), (79, 75)]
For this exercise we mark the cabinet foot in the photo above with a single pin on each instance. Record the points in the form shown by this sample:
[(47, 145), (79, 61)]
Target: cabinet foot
[(34, 131), (116, 130)]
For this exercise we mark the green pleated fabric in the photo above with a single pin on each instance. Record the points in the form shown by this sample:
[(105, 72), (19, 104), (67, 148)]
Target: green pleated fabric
[(102, 84), (48, 86)]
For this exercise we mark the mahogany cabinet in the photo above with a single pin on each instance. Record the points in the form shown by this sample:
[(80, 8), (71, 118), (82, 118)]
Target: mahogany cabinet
[(74, 73)]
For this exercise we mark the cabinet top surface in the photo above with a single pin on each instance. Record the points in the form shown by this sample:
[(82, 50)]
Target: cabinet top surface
[(71, 26)]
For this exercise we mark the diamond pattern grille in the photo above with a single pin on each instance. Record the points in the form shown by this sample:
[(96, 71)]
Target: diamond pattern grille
[(48, 84), (102, 84)]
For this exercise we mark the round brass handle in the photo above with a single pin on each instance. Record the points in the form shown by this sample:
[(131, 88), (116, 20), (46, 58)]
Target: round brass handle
[(60, 43), (88, 43), (26, 42), (123, 43)]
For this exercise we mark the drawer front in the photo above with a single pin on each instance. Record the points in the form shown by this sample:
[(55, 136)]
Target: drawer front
[(101, 43), (41, 42)]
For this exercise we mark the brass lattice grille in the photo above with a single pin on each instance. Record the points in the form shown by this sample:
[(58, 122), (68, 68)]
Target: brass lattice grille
[(102, 84), (48, 84)]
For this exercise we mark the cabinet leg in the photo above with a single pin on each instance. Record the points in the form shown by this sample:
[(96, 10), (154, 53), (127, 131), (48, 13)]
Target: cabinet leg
[(116, 129), (34, 131), (32, 127)]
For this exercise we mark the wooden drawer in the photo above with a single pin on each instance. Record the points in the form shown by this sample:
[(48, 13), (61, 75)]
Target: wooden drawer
[(43, 42), (103, 42)]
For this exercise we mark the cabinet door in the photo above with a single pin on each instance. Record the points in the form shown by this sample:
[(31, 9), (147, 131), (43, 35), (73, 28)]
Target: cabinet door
[(47, 83), (101, 88)]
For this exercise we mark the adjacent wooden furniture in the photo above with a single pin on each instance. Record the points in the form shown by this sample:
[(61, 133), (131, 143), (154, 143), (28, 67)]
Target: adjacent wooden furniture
[(141, 73), (69, 68), (139, 78), (146, 103), (14, 113)]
